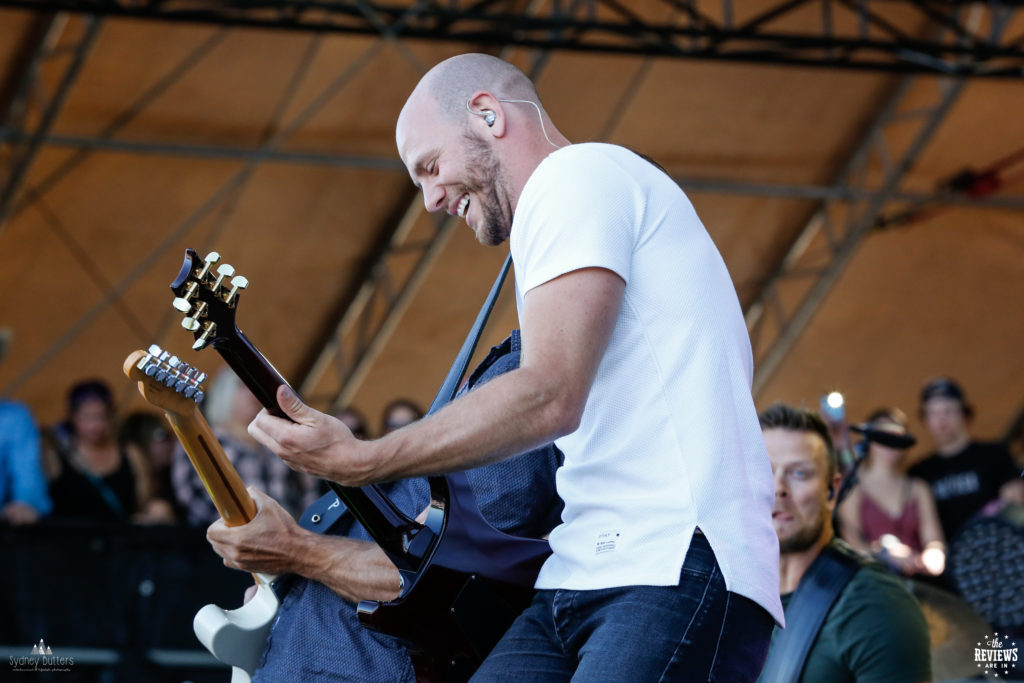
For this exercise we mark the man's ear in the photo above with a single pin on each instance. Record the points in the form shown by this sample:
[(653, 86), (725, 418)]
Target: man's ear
[(833, 489), (487, 110)]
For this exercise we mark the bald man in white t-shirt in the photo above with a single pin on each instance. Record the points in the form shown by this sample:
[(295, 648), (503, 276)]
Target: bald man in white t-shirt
[(635, 360)]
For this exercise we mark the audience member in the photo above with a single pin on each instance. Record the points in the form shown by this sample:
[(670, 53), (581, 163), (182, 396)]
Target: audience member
[(399, 413), (91, 477), (964, 475), (149, 435), (889, 514), (232, 407), (869, 628), (23, 495)]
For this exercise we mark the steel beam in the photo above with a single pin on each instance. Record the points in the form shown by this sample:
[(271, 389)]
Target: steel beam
[(851, 34), (23, 154), (834, 192), (216, 200), (845, 227)]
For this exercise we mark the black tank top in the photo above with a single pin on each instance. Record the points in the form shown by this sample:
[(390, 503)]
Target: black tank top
[(81, 496)]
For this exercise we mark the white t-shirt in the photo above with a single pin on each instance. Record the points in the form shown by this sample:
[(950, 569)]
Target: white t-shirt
[(669, 439)]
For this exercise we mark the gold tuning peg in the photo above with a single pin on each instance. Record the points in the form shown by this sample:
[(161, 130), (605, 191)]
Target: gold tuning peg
[(223, 270), (208, 331), (208, 262), (238, 283)]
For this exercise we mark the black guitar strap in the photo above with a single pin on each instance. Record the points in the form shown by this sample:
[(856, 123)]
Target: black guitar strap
[(328, 509), (818, 590)]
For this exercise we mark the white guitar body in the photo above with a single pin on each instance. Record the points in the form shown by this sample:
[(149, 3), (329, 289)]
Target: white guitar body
[(236, 637)]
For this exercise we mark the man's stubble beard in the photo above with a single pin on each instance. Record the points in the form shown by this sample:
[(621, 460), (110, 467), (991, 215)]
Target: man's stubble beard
[(804, 538), (488, 180)]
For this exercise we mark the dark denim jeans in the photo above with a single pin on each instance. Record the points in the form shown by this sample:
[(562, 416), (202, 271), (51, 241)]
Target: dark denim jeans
[(696, 631)]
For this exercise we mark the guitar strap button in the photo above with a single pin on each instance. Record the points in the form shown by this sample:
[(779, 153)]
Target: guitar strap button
[(315, 519)]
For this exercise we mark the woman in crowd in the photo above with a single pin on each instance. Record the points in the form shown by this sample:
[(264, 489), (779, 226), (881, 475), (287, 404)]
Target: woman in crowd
[(889, 514), (91, 476)]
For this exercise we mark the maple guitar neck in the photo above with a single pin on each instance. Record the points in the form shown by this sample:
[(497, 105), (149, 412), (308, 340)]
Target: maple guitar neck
[(221, 479)]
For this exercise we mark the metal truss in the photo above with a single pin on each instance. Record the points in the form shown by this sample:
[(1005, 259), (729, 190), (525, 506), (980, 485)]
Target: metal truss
[(858, 34), (31, 107), (366, 318), (84, 143), (824, 246)]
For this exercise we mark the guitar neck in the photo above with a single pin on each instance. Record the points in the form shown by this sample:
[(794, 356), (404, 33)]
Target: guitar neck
[(219, 476), (392, 530)]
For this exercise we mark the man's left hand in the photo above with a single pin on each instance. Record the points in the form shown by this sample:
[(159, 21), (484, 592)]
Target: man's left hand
[(313, 442)]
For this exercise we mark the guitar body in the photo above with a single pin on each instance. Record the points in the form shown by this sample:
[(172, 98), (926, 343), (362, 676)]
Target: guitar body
[(464, 581), (237, 637), (475, 583)]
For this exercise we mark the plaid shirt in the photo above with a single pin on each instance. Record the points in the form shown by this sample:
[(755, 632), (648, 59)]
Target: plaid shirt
[(256, 465)]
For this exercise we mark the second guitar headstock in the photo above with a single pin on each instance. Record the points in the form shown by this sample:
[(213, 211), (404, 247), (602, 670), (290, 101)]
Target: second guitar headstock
[(207, 295), (165, 381)]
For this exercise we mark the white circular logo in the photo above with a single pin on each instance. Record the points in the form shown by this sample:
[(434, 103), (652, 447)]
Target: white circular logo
[(995, 654)]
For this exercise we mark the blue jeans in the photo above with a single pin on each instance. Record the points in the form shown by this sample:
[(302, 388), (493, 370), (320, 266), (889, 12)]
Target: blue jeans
[(696, 631)]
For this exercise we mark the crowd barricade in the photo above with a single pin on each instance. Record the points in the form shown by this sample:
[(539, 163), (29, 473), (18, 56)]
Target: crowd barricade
[(116, 600)]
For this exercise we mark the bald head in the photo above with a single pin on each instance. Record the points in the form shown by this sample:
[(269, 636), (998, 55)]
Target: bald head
[(454, 81)]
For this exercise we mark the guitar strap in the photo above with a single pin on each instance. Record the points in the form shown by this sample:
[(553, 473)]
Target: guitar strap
[(818, 590), (328, 509)]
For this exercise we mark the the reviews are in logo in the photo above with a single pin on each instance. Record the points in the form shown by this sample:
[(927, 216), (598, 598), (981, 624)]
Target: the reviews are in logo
[(41, 659), (995, 655)]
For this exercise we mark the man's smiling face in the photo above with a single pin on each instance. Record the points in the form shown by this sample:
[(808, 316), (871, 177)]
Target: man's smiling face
[(456, 168)]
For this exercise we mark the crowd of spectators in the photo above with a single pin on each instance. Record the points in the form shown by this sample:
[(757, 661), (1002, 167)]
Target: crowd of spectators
[(91, 466)]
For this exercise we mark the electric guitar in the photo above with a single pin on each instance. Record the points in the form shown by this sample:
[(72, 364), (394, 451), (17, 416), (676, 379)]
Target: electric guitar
[(235, 637), (463, 581)]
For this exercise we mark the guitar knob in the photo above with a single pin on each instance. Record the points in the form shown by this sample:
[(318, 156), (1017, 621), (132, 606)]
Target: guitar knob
[(190, 324), (182, 305)]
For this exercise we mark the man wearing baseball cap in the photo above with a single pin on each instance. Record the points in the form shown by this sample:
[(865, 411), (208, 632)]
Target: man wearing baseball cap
[(964, 475)]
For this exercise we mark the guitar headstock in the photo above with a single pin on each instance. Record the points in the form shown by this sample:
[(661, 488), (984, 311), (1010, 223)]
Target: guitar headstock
[(165, 381), (206, 293)]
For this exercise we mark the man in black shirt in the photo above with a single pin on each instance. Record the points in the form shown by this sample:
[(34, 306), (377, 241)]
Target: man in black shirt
[(964, 475)]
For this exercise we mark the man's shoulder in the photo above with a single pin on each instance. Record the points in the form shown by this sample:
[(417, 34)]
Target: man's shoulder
[(597, 158), (928, 467), (876, 629), (874, 584), (10, 407), (987, 449), (877, 601), (873, 593)]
